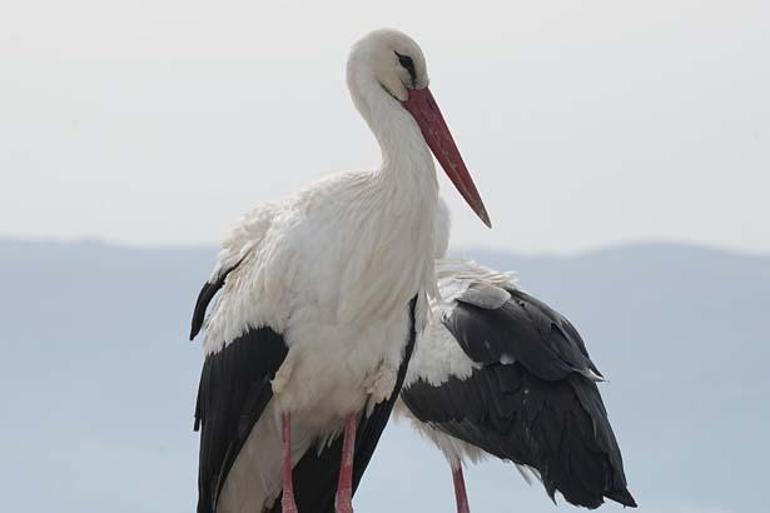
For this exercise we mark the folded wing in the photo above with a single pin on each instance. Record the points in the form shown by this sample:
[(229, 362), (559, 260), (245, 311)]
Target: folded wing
[(531, 397)]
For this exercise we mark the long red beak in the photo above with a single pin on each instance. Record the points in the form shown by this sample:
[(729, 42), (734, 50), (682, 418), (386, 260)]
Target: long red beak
[(423, 108)]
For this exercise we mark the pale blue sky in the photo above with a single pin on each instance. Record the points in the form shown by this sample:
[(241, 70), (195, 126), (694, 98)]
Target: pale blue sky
[(584, 123)]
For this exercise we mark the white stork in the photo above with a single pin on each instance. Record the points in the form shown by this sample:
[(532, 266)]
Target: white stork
[(319, 299), (498, 372)]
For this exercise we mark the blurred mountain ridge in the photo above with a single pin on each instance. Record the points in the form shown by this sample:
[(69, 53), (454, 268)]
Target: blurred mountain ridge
[(99, 381)]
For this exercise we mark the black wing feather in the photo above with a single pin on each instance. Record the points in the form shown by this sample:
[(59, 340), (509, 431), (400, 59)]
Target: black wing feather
[(207, 293), (523, 328), (315, 475), (539, 411), (233, 392)]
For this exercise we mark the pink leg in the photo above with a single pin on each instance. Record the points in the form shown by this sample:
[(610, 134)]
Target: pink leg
[(287, 501), (460, 496), (344, 499)]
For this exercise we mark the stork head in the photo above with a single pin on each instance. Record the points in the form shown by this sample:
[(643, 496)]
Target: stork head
[(387, 63), (393, 60)]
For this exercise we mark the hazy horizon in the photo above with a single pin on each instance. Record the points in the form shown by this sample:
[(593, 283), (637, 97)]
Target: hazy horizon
[(453, 251)]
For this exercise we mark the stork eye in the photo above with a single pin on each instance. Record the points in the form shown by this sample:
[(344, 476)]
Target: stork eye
[(408, 65)]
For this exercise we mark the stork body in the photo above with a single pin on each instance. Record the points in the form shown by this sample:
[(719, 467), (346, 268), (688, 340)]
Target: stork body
[(318, 299), (343, 335), (498, 372)]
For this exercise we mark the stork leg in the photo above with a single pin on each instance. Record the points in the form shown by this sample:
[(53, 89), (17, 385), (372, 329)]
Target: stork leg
[(343, 501), (460, 496), (288, 505)]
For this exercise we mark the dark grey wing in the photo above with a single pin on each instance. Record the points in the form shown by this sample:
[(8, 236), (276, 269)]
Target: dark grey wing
[(315, 475), (529, 401), (523, 328), (233, 392)]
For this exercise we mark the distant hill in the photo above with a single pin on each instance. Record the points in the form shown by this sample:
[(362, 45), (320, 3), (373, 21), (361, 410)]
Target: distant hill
[(98, 380)]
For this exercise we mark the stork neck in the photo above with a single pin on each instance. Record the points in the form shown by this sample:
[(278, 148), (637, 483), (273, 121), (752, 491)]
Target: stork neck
[(402, 145), (407, 163), (407, 169)]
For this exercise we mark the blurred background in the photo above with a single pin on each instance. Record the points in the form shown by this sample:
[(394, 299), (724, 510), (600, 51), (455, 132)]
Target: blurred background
[(622, 150)]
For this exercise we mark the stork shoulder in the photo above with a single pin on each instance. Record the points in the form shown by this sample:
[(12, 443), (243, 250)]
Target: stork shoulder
[(244, 274), (472, 283), (243, 237)]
